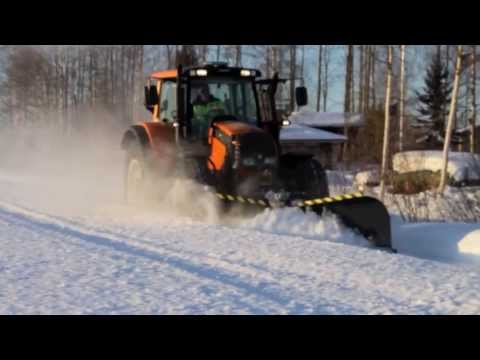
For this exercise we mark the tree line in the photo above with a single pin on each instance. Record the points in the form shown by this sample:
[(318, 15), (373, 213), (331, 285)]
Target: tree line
[(57, 85), (62, 79)]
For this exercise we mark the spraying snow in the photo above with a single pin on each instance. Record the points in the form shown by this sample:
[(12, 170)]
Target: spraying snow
[(82, 174), (295, 222), (189, 199)]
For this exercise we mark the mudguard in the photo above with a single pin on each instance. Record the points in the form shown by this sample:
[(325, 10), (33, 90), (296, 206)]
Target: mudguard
[(138, 134), (155, 141)]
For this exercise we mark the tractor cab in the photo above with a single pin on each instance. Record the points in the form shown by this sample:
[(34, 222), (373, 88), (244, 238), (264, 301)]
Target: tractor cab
[(193, 99), (225, 117), (220, 96)]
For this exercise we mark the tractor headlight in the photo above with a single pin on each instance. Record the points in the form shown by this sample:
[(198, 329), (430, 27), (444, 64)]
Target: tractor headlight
[(249, 162), (270, 161), (199, 72)]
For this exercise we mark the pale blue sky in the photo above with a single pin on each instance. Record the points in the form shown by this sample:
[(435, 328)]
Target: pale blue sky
[(415, 73)]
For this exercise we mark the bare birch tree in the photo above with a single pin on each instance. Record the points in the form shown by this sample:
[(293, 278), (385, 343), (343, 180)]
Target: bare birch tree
[(348, 102), (386, 134), (372, 76), (293, 72), (348, 80), (402, 97), (326, 62), (361, 85), (238, 55), (473, 96), (451, 115), (319, 78), (366, 80), (302, 67)]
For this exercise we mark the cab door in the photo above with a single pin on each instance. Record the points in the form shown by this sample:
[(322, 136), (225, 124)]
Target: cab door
[(161, 130), (267, 90)]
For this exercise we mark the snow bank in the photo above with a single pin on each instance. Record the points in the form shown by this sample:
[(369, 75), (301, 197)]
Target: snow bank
[(369, 177), (451, 242), (461, 166), (440, 241)]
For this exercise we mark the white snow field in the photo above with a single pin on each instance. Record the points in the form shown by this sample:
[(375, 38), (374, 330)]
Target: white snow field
[(94, 257), (69, 245)]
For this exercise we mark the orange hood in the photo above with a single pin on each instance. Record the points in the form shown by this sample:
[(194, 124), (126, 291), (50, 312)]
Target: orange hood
[(232, 128)]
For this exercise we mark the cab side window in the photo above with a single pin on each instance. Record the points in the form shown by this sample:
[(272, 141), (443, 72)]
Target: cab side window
[(168, 102)]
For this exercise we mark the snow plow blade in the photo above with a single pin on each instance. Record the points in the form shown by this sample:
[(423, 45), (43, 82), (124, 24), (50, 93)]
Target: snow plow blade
[(366, 214)]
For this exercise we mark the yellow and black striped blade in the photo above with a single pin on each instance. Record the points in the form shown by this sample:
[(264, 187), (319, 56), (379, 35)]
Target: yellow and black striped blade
[(366, 214)]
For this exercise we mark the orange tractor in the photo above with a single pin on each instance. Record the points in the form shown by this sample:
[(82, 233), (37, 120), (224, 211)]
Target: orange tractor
[(218, 125)]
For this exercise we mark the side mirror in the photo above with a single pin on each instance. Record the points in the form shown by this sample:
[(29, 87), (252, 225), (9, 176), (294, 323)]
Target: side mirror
[(301, 95), (151, 96)]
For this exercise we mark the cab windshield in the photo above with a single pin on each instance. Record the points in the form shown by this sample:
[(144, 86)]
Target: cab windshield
[(231, 99)]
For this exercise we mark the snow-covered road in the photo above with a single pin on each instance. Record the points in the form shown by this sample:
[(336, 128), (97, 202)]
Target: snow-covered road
[(61, 252)]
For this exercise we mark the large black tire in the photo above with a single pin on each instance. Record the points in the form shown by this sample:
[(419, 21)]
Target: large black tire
[(313, 182), (312, 179)]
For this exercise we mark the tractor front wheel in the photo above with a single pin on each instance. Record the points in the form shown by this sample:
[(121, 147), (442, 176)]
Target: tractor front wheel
[(312, 179)]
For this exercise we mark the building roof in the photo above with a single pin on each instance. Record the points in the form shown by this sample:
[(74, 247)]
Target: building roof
[(304, 134), (327, 120)]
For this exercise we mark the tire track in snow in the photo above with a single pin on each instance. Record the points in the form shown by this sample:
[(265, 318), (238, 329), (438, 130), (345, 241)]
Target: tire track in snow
[(31, 224), (36, 221), (295, 294)]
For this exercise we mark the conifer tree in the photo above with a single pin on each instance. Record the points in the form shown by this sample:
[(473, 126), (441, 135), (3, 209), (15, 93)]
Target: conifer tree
[(435, 98)]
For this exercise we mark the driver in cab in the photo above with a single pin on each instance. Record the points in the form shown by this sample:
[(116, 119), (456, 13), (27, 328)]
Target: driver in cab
[(205, 108)]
